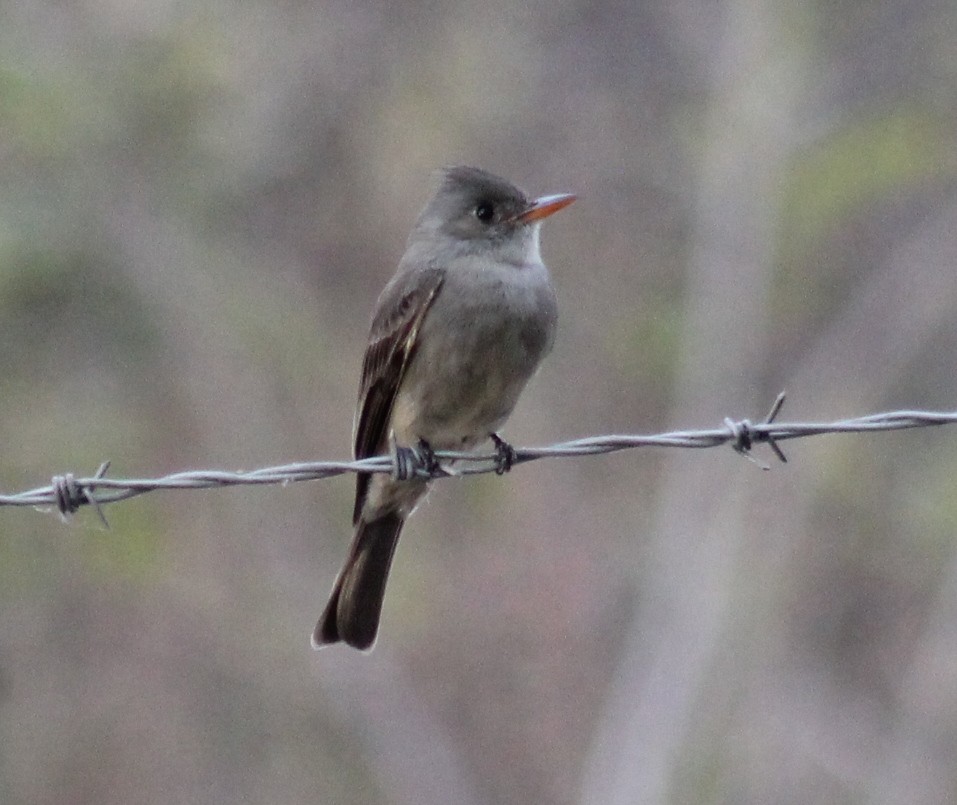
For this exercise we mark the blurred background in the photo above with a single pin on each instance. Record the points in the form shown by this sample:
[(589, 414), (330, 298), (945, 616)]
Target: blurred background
[(200, 203)]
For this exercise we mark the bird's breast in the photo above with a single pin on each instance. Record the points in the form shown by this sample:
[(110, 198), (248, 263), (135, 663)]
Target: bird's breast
[(481, 341)]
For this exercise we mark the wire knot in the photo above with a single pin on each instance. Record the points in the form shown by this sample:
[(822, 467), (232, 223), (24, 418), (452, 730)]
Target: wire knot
[(411, 462), (744, 434), (741, 437), (67, 494), (404, 463)]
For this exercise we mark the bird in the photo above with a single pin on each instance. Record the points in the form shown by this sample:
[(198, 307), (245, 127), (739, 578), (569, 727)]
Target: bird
[(456, 334)]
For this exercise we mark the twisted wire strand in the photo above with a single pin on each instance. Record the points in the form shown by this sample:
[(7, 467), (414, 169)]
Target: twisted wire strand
[(67, 493)]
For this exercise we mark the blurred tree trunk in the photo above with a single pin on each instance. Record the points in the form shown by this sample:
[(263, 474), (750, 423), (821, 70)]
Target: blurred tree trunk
[(683, 597), (902, 754)]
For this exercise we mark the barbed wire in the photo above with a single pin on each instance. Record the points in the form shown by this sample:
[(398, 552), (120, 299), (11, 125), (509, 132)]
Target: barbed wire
[(67, 493)]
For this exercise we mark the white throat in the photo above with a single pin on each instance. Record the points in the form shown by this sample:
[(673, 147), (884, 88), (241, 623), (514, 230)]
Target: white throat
[(534, 253)]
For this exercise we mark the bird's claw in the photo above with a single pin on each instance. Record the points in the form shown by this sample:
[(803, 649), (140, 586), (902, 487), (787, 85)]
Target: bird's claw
[(426, 457), (505, 455)]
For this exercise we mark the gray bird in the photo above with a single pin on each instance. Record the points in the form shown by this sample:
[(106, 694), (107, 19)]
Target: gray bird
[(456, 335)]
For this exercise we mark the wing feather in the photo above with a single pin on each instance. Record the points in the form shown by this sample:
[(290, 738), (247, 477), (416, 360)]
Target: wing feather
[(392, 342)]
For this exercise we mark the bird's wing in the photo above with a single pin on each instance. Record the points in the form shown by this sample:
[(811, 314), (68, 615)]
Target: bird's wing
[(392, 342)]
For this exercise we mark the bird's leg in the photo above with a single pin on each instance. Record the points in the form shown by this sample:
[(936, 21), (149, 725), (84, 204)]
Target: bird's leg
[(505, 455)]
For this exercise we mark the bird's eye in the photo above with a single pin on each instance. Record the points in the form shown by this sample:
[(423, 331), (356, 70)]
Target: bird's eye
[(485, 212)]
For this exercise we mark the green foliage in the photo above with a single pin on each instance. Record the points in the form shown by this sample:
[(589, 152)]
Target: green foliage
[(869, 165), (36, 116), (887, 154), (645, 343), (57, 306)]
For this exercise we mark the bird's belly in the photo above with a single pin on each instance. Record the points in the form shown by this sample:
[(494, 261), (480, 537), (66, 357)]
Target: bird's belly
[(458, 390)]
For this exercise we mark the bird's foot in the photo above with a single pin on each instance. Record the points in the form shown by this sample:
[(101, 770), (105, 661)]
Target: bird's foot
[(505, 455), (409, 461), (426, 456)]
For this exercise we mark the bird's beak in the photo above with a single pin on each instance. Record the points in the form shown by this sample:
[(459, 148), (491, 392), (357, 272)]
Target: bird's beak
[(545, 206)]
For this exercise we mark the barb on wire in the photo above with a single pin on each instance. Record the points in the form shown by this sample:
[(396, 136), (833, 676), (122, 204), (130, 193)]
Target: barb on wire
[(67, 493)]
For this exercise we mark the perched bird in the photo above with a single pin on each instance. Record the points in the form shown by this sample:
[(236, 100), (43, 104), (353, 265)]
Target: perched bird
[(456, 335)]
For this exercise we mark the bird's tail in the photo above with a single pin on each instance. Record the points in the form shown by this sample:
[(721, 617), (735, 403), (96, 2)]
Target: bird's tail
[(352, 614)]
